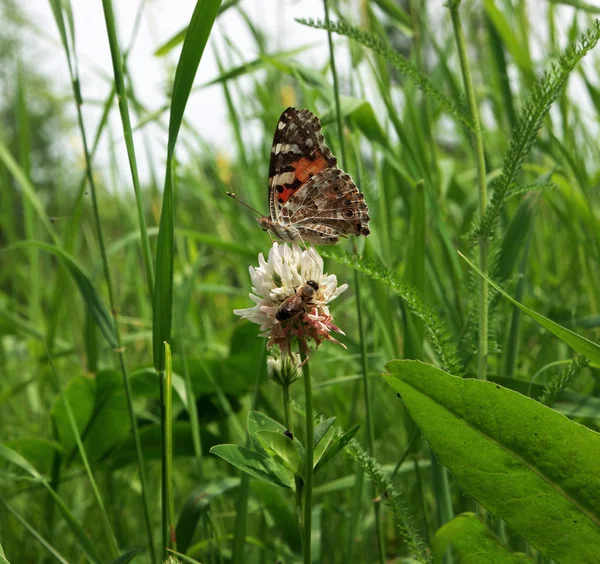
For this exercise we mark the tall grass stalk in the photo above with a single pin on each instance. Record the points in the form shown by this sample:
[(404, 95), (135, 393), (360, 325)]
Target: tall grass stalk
[(363, 351), (168, 447), (118, 69), (482, 350), (74, 75)]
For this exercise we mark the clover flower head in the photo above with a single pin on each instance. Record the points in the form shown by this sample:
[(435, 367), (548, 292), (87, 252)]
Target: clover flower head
[(291, 296)]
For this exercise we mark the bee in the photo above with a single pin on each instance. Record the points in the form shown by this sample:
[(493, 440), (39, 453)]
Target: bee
[(297, 303)]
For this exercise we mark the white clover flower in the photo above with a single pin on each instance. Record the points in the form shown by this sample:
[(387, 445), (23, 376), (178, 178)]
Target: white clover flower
[(283, 277)]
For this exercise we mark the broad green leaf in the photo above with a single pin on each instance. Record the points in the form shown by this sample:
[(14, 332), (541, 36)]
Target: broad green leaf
[(283, 449), (473, 543), (127, 557), (336, 447), (259, 422), (197, 504), (258, 465), (3, 559), (580, 344), (523, 462)]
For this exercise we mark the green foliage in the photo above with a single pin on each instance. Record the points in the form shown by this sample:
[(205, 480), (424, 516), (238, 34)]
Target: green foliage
[(397, 61), (528, 125), (90, 431), (435, 327), (523, 462)]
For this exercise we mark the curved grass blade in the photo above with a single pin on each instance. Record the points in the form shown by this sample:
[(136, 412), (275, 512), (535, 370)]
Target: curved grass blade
[(523, 462), (89, 294), (578, 343), (59, 557), (84, 541)]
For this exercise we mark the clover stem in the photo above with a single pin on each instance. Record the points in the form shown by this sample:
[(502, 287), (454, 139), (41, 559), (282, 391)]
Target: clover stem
[(308, 452)]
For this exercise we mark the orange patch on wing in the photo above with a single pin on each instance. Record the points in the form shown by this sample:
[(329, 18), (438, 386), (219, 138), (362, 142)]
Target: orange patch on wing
[(305, 168)]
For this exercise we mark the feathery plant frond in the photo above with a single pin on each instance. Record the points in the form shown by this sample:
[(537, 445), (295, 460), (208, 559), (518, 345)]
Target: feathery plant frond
[(403, 520), (401, 64), (526, 188), (439, 335), (528, 125), (559, 383)]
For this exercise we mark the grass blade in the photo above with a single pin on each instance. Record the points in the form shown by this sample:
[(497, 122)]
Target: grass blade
[(578, 343)]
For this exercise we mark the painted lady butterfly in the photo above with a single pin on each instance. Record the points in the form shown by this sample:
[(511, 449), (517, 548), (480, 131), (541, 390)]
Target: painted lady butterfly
[(310, 199)]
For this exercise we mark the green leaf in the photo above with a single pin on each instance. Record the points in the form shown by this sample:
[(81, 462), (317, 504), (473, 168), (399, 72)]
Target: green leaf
[(127, 557), (196, 505), (473, 543), (283, 449), (578, 343), (259, 422), (258, 465), (523, 462), (3, 559), (336, 447)]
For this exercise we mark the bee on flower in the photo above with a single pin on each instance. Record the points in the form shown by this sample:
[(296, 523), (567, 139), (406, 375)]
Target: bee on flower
[(291, 296)]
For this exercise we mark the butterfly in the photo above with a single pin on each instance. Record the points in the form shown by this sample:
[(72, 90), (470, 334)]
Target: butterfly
[(310, 199)]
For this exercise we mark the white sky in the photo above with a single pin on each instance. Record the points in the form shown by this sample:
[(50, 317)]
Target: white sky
[(150, 74)]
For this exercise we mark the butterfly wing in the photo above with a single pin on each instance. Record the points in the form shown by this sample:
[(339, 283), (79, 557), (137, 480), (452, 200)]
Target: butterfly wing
[(327, 207), (298, 154)]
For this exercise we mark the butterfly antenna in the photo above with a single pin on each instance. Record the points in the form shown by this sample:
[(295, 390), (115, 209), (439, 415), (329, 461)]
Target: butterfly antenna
[(232, 195)]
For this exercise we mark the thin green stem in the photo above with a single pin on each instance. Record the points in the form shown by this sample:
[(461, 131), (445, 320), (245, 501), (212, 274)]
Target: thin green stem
[(287, 414), (363, 351), (117, 61), (308, 454), (168, 453), (482, 187), (73, 73)]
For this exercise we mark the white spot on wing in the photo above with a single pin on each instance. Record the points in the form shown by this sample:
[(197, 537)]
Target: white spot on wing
[(280, 126)]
